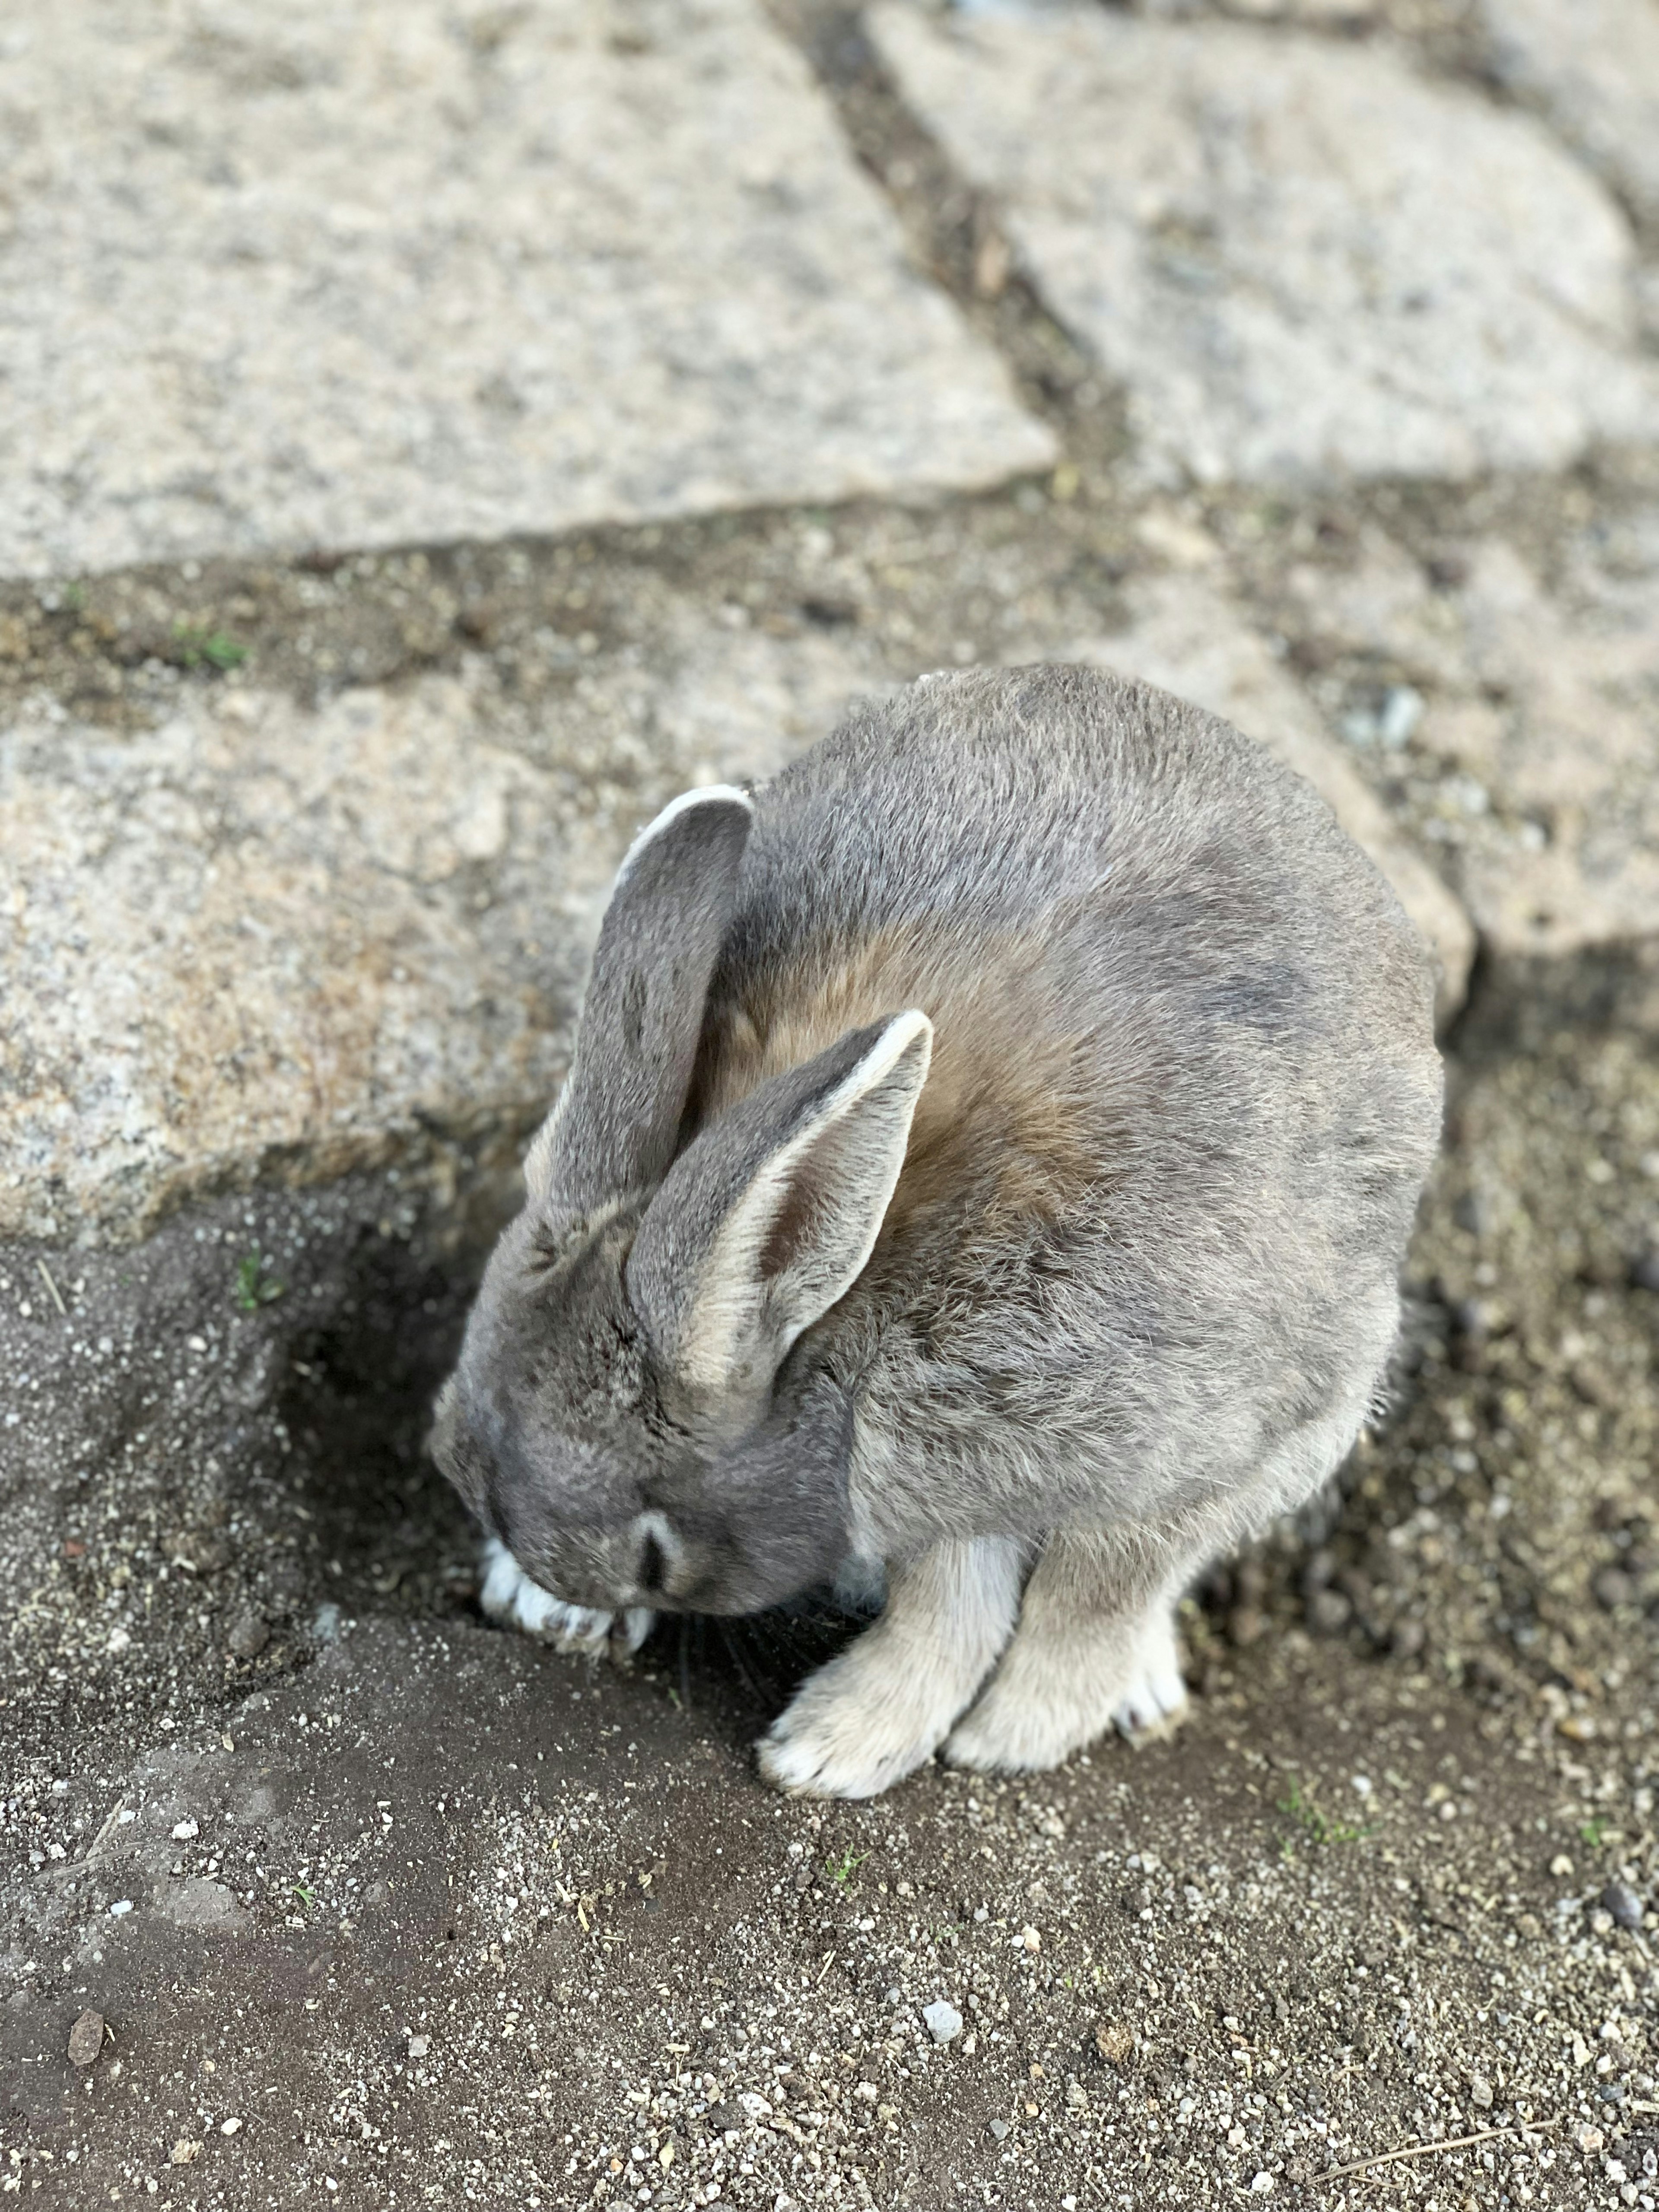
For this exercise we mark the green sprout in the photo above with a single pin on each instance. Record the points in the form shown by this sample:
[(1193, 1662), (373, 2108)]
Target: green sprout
[(254, 1288), (306, 1897), (848, 1864), (1317, 1825), (198, 647), (1593, 1831)]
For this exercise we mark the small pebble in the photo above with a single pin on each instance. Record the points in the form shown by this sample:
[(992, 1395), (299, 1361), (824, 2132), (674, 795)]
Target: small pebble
[(247, 1635), (944, 2021), (230, 2127), (419, 2046), (1329, 1612), (1480, 2092), (1620, 1900), (1614, 1588), (1114, 2042), (184, 1831), (999, 2130), (86, 2038)]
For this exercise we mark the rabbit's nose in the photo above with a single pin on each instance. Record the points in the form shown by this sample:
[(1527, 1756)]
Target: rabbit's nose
[(660, 1557)]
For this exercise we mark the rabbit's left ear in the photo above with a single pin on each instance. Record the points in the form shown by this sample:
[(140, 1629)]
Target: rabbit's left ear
[(617, 1120), (768, 1218)]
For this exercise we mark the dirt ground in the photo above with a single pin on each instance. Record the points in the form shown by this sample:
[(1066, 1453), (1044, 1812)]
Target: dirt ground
[(379, 1905)]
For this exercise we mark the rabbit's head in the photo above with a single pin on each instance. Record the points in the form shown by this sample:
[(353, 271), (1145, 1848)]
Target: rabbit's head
[(626, 1414)]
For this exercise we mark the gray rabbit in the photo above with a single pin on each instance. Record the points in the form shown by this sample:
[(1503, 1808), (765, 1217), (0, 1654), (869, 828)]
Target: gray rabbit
[(988, 1155)]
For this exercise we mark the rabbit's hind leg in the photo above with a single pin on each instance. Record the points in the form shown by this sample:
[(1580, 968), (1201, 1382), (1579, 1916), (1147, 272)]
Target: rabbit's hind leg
[(881, 1707), (1095, 1649)]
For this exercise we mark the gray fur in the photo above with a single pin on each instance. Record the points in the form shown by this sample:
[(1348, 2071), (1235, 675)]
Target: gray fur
[(1137, 1278)]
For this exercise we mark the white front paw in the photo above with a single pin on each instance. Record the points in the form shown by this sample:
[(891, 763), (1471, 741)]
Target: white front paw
[(853, 1729), (509, 1596)]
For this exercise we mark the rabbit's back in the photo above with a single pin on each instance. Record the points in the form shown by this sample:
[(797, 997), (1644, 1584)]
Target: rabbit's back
[(1129, 924), (1184, 1088)]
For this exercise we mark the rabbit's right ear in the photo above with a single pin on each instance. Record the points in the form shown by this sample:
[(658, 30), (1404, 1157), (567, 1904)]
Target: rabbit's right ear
[(617, 1119), (768, 1216)]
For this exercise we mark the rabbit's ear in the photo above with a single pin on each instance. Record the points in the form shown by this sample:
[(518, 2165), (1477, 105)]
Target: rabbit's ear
[(769, 1216), (617, 1119)]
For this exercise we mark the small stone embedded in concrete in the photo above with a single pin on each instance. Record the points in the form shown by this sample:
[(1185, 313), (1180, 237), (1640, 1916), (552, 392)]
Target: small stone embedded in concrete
[(1620, 1900), (1303, 259), (352, 277), (944, 2021), (1593, 67), (86, 2038)]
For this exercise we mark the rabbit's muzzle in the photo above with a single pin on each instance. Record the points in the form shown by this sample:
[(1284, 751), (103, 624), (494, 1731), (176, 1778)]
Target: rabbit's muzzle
[(665, 1563)]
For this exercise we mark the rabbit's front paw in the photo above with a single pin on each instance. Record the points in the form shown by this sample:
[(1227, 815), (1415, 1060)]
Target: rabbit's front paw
[(1044, 1703), (509, 1596), (853, 1729)]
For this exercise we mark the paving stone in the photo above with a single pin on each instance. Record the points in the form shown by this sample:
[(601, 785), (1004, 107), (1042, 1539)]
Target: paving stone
[(1593, 66), (408, 271), (1541, 722), (264, 936), (1184, 635), (1302, 259)]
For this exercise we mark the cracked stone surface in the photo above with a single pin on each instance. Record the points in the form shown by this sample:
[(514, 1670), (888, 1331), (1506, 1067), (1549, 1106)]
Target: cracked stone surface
[(272, 282), (1305, 260)]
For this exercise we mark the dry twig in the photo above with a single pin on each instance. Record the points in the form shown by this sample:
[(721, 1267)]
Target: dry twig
[(1424, 2150)]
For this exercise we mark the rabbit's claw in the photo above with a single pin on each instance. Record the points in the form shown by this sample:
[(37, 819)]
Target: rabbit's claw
[(510, 1598)]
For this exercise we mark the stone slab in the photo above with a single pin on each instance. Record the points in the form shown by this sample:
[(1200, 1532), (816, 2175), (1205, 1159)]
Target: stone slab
[(1302, 260), (1539, 722), (405, 271), (264, 937), (1593, 66), (250, 935), (1184, 635)]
